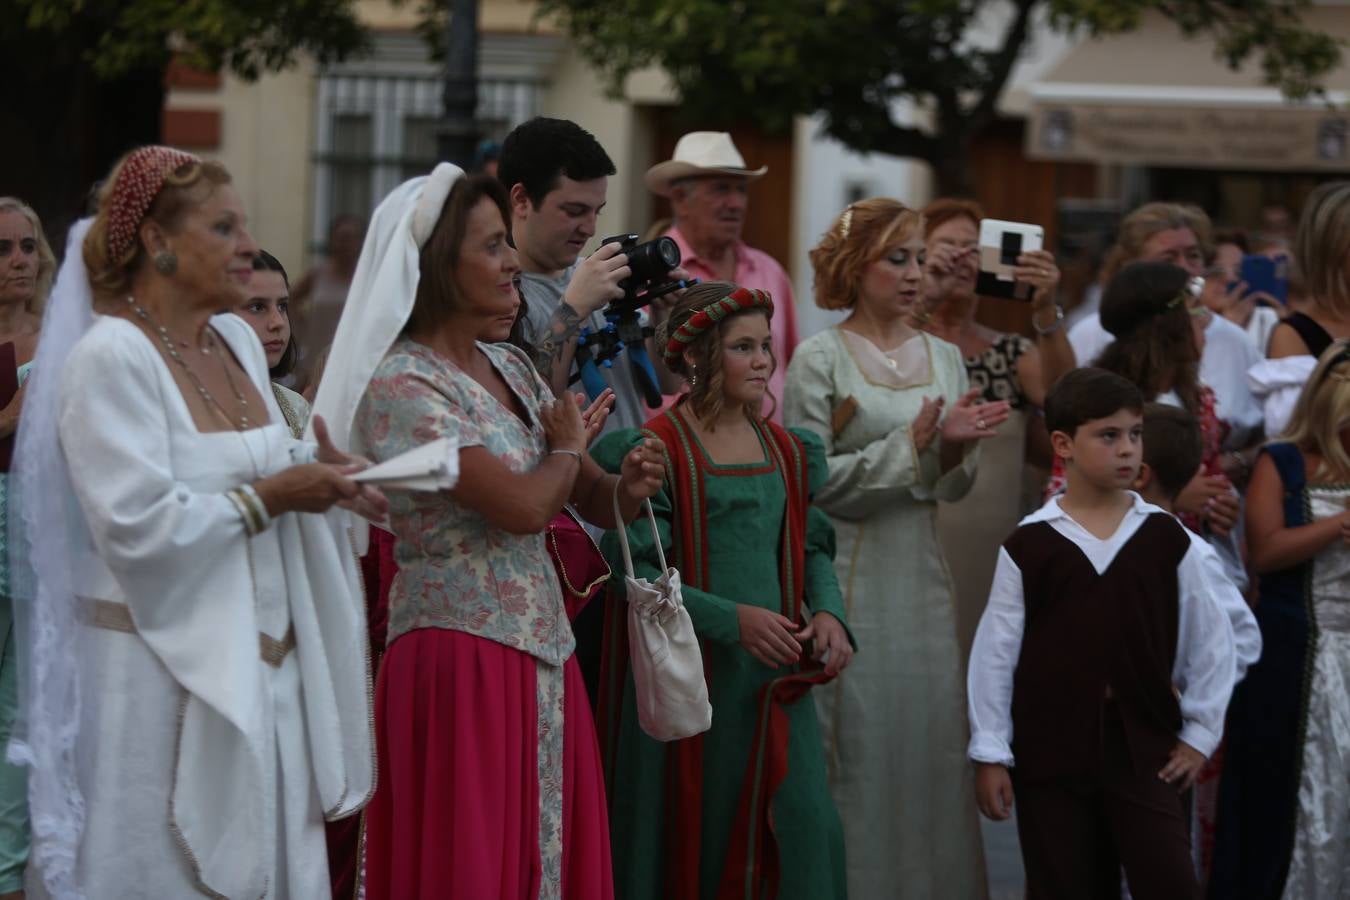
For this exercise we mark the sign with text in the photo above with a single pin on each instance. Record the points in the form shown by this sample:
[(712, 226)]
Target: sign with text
[(1271, 139)]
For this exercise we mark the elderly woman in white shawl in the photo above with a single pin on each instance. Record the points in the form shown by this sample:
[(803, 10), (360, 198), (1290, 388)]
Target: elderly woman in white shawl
[(197, 701)]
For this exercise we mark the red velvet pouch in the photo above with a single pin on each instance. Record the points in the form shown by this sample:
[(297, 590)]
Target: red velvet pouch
[(582, 569)]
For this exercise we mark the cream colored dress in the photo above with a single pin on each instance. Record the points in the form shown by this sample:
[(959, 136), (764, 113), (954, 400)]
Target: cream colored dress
[(894, 723)]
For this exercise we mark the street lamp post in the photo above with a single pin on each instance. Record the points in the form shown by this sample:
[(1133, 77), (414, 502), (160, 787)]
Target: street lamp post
[(459, 131)]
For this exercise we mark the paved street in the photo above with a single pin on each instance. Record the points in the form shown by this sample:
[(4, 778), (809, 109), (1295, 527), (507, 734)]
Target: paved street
[(1003, 859)]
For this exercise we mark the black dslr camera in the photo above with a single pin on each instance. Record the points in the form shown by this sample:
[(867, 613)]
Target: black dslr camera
[(650, 263)]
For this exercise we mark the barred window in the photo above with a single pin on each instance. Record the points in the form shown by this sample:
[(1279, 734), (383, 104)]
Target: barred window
[(379, 117)]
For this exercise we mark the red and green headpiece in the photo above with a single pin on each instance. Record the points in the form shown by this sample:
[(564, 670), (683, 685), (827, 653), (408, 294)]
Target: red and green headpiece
[(738, 301)]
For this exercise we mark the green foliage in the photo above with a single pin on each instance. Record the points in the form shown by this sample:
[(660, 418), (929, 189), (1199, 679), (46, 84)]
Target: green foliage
[(769, 60), (1291, 57), (248, 37)]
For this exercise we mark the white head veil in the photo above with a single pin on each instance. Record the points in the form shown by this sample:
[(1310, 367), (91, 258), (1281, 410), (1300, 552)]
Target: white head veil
[(381, 296), (46, 531)]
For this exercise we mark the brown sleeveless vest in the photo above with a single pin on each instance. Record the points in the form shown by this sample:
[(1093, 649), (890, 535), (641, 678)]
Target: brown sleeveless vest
[(1086, 633)]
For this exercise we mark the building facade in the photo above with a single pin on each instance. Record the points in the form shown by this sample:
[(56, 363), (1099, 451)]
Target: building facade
[(1088, 129)]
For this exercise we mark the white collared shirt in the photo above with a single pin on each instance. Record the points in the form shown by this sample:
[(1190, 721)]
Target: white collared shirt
[(1204, 670)]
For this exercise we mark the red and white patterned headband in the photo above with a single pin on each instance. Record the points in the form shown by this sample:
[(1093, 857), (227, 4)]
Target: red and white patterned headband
[(138, 183), (737, 301)]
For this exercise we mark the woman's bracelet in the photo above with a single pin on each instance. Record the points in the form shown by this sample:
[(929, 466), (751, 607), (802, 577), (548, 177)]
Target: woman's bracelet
[(250, 508), (572, 453), (1053, 326)]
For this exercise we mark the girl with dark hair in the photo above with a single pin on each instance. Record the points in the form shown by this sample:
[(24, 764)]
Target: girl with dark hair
[(267, 311), (1154, 311), (743, 809)]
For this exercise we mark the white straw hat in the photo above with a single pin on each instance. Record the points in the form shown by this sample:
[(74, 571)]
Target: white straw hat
[(700, 153)]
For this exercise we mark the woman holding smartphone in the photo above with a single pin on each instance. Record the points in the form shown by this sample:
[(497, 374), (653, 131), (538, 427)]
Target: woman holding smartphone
[(1004, 366)]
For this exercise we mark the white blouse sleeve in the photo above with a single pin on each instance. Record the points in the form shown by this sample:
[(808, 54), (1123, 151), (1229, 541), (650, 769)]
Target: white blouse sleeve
[(993, 660), (1206, 663), (1276, 384)]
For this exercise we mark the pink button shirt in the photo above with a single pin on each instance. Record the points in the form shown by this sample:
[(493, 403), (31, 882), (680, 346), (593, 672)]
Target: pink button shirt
[(757, 269)]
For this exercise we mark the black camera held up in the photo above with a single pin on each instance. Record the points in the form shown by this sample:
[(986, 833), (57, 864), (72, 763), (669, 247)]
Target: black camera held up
[(650, 264)]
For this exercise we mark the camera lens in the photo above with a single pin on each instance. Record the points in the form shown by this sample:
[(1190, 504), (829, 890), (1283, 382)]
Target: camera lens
[(653, 259), (669, 251)]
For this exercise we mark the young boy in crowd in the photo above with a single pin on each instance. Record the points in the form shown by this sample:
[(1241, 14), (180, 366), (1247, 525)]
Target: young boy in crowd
[(1172, 455), (1101, 668)]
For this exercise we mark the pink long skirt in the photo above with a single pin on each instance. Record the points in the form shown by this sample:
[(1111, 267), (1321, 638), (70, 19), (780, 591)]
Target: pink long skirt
[(457, 811)]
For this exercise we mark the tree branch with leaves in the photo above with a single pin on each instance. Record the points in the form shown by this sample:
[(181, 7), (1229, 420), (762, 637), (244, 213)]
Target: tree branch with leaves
[(767, 61)]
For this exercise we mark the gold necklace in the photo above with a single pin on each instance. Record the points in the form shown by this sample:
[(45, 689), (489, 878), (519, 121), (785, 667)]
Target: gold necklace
[(167, 340)]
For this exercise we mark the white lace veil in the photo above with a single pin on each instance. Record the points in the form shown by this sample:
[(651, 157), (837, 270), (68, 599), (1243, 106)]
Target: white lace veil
[(381, 296), (46, 532)]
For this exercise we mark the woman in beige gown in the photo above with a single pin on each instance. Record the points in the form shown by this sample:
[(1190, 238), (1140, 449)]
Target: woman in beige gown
[(900, 427)]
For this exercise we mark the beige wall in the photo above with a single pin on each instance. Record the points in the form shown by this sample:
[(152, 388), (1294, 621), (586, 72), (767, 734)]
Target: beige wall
[(267, 130), (620, 126), (266, 135)]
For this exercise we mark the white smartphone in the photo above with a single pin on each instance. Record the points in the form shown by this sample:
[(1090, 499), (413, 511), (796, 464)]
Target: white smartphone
[(1000, 244)]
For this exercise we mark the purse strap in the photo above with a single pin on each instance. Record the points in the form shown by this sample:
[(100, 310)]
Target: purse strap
[(623, 534)]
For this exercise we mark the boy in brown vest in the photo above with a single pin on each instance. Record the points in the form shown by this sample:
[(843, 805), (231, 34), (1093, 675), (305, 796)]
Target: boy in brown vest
[(1101, 669)]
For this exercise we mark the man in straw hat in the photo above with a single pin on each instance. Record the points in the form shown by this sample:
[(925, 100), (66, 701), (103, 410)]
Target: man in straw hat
[(708, 184)]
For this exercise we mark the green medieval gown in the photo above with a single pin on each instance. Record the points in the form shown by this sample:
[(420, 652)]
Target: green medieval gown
[(743, 811)]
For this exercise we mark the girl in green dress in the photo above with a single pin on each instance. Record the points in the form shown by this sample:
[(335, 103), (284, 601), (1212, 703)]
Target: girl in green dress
[(743, 810)]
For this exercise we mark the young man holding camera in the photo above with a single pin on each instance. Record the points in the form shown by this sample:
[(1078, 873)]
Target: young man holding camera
[(557, 173)]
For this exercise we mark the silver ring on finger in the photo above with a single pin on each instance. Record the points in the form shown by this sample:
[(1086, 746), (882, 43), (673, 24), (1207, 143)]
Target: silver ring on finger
[(980, 424)]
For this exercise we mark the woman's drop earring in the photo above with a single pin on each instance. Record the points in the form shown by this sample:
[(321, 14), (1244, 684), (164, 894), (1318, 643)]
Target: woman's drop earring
[(693, 377)]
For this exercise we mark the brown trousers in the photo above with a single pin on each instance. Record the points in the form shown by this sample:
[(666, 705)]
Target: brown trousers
[(1078, 833)]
